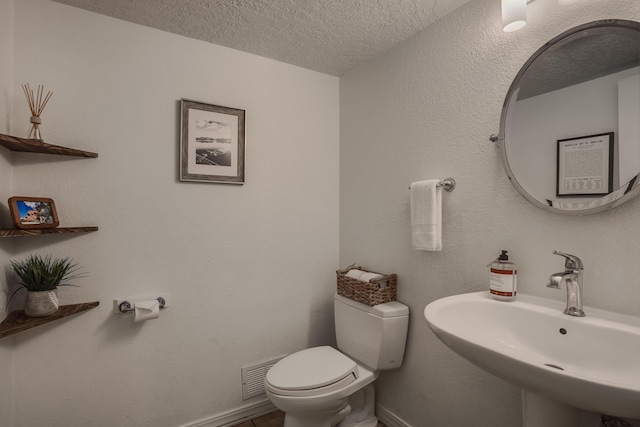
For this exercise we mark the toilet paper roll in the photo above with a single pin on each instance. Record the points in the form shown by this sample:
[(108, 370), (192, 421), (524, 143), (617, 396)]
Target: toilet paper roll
[(367, 277), (354, 273), (146, 310)]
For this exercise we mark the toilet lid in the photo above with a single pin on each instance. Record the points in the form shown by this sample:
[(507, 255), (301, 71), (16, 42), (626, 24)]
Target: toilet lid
[(312, 368)]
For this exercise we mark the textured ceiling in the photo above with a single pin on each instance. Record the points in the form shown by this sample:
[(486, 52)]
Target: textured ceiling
[(329, 36)]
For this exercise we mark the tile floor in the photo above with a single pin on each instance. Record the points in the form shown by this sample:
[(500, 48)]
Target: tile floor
[(272, 419)]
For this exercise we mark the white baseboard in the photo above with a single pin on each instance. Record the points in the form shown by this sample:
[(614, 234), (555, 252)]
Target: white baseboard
[(390, 419), (234, 416)]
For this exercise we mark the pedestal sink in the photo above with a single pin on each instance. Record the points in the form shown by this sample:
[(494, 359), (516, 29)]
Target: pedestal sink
[(591, 363)]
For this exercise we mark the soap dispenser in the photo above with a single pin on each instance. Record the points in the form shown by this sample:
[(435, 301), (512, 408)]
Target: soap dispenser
[(503, 278)]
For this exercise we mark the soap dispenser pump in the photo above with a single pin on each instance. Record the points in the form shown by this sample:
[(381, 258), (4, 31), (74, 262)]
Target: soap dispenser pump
[(503, 278)]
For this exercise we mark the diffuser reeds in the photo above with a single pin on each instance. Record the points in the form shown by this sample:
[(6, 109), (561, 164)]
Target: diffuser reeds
[(36, 104)]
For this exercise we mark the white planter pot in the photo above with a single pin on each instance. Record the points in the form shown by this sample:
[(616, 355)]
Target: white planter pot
[(41, 303)]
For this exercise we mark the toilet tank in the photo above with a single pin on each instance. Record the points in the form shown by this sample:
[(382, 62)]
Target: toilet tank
[(375, 336)]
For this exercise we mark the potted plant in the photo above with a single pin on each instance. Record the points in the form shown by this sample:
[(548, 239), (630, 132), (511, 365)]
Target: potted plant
[(41, 276)]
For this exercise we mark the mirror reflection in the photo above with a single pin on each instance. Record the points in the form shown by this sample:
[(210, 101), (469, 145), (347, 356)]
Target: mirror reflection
[(570, 128)]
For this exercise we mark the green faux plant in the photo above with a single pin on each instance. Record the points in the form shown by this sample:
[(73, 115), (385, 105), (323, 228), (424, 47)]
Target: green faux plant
[(39, 273)]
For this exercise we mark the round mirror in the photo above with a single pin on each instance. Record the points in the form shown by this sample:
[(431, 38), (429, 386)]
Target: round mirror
[(570, 125)]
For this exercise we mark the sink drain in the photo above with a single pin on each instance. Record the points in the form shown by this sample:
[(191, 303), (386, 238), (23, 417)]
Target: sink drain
[(554, 366)]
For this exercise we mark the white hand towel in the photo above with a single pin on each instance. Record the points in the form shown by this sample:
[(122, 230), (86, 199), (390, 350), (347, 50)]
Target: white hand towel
[(426, 215)]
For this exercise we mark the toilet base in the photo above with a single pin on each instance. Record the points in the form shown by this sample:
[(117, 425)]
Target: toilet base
[(372, 422), (316, 420), (363, 409), (358, 412)]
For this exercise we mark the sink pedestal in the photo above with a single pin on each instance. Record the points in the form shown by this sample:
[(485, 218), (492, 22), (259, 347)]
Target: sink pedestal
[(538, 411)]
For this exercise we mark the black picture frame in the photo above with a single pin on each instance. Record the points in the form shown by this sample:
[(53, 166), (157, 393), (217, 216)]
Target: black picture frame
[(585, 165), (212, 143)]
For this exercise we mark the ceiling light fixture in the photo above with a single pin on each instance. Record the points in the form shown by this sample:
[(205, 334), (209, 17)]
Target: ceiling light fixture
[(514, 15)]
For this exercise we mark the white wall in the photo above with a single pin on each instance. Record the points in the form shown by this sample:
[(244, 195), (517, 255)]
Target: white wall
[(426, 109), (629, 125), (251, 268), (6, 80)]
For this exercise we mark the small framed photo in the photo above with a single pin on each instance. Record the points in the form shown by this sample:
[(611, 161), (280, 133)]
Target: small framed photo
[(33, 212), (585, 166), (212, 144)]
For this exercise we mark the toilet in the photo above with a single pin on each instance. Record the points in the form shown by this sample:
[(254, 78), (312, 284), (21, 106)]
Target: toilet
[(324, 387)]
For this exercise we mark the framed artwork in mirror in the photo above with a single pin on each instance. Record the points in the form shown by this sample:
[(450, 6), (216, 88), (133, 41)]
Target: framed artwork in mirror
[(212, 143), (33, 212), (585, 166)]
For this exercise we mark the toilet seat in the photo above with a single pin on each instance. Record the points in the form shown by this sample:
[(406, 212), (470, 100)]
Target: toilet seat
[(310, 372)]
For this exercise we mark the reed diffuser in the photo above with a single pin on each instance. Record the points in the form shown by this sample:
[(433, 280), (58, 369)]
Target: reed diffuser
[(36, 104)]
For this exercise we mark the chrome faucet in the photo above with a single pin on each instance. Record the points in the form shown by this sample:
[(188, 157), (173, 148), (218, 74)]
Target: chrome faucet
[(572, 276)]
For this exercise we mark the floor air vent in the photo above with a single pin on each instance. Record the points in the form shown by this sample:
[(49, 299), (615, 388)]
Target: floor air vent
[(253, 378)]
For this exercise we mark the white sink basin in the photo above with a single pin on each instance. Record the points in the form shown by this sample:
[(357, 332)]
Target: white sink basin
[(591, 363)]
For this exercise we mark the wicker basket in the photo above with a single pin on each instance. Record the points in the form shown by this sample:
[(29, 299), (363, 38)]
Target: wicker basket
[(373, 292)]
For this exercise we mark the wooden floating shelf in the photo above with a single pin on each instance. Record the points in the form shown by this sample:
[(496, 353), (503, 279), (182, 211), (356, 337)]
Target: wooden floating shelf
[(14, 232), (14, 143), (17, 321)]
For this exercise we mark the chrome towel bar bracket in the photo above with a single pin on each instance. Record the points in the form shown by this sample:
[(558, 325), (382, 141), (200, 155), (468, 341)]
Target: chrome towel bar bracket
[(448, 184)]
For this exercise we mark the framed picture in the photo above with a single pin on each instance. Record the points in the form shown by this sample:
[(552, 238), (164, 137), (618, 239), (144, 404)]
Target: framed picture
[(33, 212), (585, 166), (211, 143)]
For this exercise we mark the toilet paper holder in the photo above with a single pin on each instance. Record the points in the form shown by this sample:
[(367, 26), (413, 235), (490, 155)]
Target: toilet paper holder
[(126, 306)]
